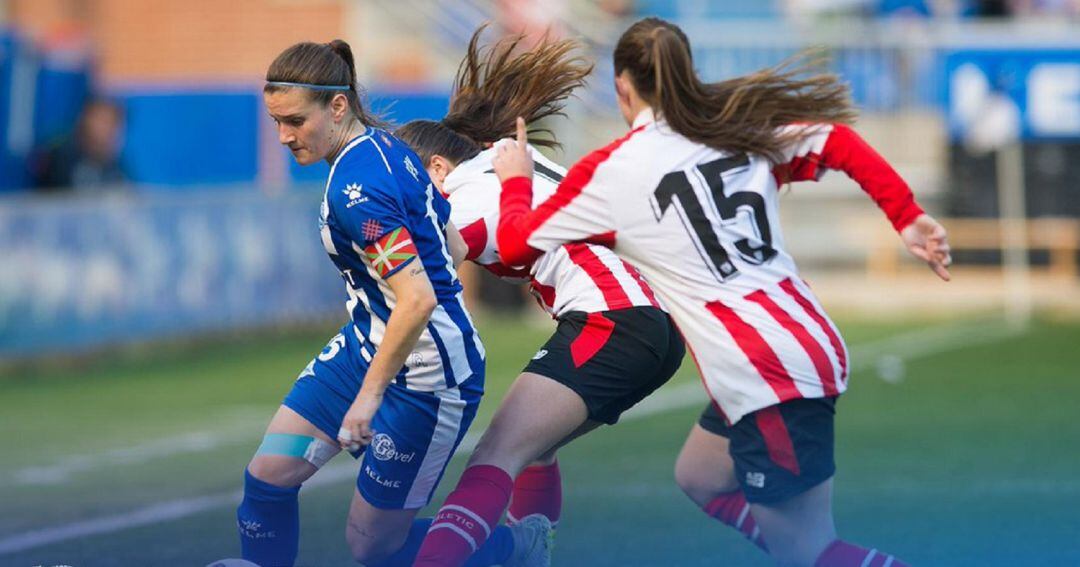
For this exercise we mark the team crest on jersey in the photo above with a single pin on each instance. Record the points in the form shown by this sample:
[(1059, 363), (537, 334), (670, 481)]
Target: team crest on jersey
[(353, 192), (391, 251)]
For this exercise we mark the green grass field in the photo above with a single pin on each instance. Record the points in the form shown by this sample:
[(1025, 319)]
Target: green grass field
[(970, 455)]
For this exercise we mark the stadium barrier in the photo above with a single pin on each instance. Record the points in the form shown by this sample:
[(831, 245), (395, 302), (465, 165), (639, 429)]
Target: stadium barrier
[(83, 272)]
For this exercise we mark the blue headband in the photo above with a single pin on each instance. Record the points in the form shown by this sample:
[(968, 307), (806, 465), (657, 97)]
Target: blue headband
[(310, 86)]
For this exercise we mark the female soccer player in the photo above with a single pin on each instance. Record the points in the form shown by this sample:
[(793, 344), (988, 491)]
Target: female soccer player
[(403, 378), (613, 345), (690, 197)]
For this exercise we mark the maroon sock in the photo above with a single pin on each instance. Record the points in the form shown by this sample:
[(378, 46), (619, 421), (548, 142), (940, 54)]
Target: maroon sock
[(467, 517), (732, 509), (537, 490), (843, 554)]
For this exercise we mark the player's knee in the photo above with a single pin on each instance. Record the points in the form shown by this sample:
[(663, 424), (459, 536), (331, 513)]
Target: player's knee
[(698, 484), (285, 459), (278, 471)]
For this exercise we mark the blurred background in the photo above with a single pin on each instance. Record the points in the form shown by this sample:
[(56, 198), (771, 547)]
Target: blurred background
[(162, 282)]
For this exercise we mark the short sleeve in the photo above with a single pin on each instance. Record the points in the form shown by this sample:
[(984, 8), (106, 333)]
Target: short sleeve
[(375, 221)]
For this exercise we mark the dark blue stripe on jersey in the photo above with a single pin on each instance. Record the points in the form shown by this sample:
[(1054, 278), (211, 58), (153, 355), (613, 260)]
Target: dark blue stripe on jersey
[(448, 369)]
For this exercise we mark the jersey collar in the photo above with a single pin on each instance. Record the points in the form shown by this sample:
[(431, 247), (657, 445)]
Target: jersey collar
[(644, 117)]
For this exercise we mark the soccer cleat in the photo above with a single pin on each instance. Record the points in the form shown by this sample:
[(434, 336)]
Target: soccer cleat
[(532, 542)]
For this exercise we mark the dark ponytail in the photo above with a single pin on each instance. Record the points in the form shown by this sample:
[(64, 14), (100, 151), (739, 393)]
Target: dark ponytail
[(743, 114), (321, 64), (429, 139)]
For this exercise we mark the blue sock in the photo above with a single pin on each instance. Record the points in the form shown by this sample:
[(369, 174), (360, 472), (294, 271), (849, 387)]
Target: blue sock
[(495, 551), (269, 523)]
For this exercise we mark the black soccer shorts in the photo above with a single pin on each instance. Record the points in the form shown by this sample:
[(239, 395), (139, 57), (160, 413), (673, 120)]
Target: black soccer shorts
[(780, 451), (612, 359)]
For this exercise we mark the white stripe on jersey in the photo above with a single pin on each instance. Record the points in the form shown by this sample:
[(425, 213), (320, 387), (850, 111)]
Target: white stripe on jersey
[(439, 450), (799, 314), (807, 293), (363, 346), (327, 240), (434, 218), (454, 341), (629, 285)]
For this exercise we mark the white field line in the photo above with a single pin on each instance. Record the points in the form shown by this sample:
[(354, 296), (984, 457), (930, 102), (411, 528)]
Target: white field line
[(243, 425), (908, 346)]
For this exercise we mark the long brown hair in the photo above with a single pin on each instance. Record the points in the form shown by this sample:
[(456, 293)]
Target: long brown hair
[(321, 64), (492, 88), (742, 114)]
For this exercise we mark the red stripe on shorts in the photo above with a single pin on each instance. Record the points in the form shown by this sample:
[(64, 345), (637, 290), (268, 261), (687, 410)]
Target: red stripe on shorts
[(594, 335), (777, 440)]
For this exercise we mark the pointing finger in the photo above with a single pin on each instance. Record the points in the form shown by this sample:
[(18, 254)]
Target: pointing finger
[(522, 133)]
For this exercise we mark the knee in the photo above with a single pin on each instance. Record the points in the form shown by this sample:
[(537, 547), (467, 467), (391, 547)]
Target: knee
[(278, 471), (702, 484), (691, 481)]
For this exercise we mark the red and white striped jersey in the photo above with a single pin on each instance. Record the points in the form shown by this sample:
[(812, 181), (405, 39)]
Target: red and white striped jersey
[(577, 276), (702, 226)]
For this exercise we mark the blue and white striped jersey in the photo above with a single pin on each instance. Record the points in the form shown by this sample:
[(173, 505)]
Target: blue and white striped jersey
[(376, 188)]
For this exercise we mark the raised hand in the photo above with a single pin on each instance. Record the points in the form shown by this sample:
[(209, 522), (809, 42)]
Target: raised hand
[(927, 240), (512, 158)]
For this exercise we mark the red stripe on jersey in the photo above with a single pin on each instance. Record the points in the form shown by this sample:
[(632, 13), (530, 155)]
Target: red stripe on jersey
[(517, 223), (641, 283), (813, 349), (777, 439), (800, 168), (594, 335), (545, 293), (759, 352), (838, 347), (614, 295), (475, 236)]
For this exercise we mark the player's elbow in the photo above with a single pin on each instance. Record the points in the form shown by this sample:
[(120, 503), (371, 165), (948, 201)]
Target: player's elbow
[(420, 304)]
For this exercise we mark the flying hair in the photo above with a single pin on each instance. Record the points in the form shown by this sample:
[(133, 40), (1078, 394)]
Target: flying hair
[(497, 84), (742, 114)]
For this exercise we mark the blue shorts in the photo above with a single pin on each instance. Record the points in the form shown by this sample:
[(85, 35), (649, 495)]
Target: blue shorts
[(416, 432)]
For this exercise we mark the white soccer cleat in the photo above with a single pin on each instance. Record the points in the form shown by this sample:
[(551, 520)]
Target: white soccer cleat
[(532, 542)]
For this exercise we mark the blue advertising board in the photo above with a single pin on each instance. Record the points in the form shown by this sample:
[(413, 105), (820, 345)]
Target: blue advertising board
[(81, 272), (1035, 92)]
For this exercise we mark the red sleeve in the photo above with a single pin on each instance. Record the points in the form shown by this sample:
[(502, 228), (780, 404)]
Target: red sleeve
[(515, 203), (846, 151)]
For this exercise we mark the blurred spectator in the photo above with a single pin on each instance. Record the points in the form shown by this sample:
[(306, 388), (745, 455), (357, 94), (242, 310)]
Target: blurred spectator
[(89, 159)]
